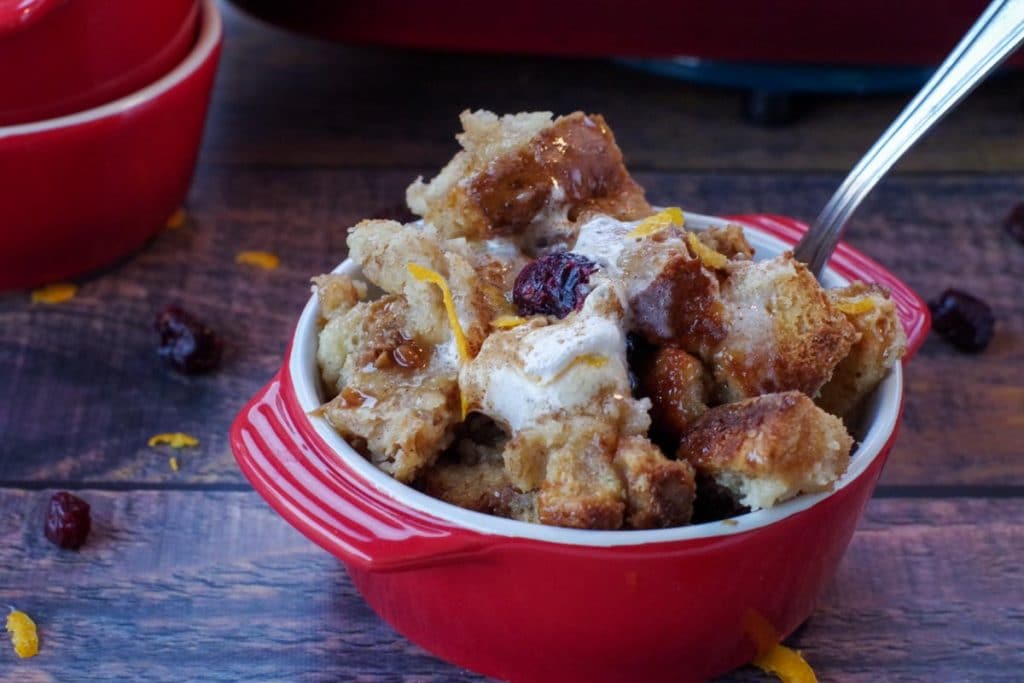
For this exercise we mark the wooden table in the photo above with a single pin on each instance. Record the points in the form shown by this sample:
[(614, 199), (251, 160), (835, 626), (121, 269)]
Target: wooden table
[(188, 575)]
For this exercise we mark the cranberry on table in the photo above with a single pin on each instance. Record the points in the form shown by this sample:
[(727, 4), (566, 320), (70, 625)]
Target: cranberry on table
[(963, 320), (555, 284), (1014, 223), (187, 344), (67, 521)]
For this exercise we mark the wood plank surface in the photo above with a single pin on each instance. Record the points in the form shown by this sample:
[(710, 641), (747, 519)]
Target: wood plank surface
[(180, 586), (84, 389), (190, 576), (288, 100)]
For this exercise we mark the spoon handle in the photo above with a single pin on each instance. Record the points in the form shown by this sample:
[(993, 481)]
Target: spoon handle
[(994, 36)]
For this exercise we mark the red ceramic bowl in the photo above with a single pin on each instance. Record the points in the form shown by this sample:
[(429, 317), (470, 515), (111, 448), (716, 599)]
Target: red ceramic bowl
[(528, 602), (81, 191), (62, 56)]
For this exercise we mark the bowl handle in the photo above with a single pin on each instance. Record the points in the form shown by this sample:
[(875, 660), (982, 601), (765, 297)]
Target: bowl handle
[(854, 265), (284, 459)]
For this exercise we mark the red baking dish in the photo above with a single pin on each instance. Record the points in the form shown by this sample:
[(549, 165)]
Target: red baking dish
[(62, 56), (80, 191), (528, 602), (866, 33)]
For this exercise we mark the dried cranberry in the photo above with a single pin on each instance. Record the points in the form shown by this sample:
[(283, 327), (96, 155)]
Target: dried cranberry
[(186, 343), (67, 520), (553, 285), (1014, 223), (963, 320)]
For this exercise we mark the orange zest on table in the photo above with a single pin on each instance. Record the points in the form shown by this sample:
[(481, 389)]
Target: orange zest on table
[(787, 664), (176, 220), (174, 440), (56, 293), (172, 462), (23, 634), (666, 218), (260, 259)]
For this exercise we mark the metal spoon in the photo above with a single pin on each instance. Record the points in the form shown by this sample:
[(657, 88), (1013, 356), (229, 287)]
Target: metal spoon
[(994, 36)]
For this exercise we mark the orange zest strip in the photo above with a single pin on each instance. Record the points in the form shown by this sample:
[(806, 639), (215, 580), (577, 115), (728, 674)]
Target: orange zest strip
[(856, 306), (176, 220), (172, 462), (461, 345), (594, 360), (708, 256), (666, 218), (507, 322), (260, 259), (787, 664), (23, 634), (57, 293), (174, 440), (427, 275)]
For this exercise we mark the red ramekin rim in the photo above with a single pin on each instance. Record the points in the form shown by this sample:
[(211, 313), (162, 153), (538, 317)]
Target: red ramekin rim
[(211, 31)]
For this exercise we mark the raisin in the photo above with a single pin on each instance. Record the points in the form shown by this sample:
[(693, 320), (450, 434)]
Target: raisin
[(67, 520), (553, 285), (964, 321), (186, 343), (1014, 223)]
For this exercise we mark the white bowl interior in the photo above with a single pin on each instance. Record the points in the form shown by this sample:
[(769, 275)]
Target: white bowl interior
[(879, 416)]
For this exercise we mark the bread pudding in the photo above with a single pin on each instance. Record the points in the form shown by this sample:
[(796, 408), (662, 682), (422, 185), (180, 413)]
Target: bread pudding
[(546, 346)]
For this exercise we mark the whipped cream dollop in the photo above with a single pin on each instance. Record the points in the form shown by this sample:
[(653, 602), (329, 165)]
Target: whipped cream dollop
[(547, 352), (602, 240), (611, 244), (538, 369)]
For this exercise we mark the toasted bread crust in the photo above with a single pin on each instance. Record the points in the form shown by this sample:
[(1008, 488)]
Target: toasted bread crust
[(768, 449), (728, 241), (513, 169), (403, 416), (481, 486), (337, 294), (659, 491), (679, 388), (783, 331), (681, 306), (882, 343), (581, 487)]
